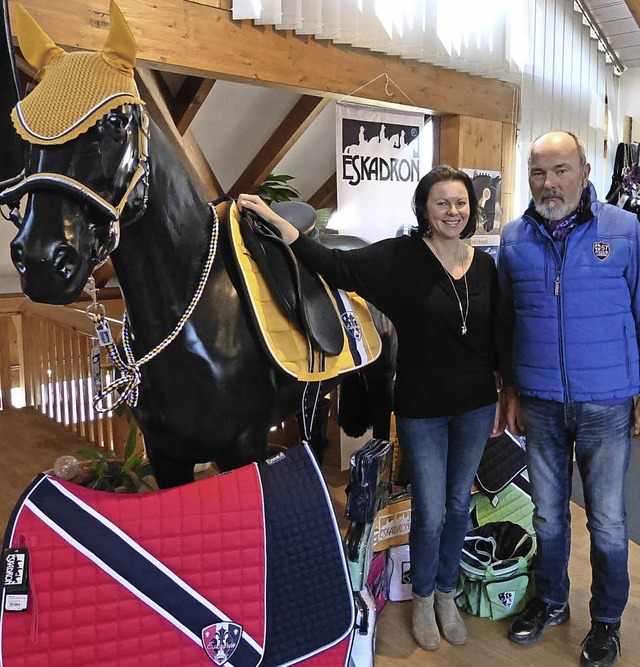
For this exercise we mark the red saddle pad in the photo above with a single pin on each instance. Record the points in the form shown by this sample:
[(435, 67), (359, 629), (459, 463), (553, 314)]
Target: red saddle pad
[(174, 577)]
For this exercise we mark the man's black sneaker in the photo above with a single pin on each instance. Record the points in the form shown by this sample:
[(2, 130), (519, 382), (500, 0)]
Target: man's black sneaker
[(530, 625), (601, 647)]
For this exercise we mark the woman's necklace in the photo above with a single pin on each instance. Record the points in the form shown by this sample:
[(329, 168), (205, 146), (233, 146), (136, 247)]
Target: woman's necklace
[(463, 312)]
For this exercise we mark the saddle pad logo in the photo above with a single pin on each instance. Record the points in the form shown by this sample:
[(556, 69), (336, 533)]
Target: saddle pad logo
[(507, 598), (220, 641), (601, 249), (352, 325)]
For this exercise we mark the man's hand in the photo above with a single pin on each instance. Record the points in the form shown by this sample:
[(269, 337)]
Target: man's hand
[(515, 418), (636, 416), (500, 420)]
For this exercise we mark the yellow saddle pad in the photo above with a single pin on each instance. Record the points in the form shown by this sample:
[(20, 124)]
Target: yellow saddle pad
[(284, 342)]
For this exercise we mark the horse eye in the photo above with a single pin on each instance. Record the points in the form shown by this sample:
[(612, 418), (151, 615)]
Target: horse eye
[(117, 122)]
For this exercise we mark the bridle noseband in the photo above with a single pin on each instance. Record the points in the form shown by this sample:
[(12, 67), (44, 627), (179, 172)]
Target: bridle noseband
[(14, 189)]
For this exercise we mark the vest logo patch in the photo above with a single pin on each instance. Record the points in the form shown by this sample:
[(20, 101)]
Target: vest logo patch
[(601, 249), (220, 641)]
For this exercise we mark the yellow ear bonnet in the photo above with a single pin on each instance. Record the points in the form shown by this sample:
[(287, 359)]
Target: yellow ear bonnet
[(76, 89)]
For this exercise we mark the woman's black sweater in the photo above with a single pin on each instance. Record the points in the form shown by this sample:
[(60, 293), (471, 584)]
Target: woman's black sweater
[(440, 372)]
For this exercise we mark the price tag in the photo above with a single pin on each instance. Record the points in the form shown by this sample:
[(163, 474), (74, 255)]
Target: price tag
[(15, 575), (104, 333)]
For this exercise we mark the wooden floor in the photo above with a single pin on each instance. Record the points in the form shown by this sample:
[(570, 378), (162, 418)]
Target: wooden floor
[(30, 443)]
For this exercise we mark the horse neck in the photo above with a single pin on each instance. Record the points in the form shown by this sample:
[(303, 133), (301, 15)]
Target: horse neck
[(161, 256)]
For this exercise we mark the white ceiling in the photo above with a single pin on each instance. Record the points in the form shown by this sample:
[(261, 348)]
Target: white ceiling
[(615, 21)]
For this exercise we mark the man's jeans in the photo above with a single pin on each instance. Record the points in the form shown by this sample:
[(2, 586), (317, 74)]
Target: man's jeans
[(602, 436), (443, 455)]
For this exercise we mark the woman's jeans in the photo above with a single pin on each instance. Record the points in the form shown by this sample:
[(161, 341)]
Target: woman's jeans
[(602, 436), (443, 455)]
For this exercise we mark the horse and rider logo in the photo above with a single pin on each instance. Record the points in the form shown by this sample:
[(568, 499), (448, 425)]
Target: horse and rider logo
[(351, 324), (601, 249), (220, 641)]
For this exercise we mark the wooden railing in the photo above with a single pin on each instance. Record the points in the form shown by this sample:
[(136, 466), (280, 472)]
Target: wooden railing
[(54, 349)]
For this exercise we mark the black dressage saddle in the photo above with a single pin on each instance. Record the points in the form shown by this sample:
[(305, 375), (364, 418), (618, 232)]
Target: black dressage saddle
[(300, 293)]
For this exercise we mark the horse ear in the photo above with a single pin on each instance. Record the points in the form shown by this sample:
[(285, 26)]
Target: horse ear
[(37, 47), (120, 48)]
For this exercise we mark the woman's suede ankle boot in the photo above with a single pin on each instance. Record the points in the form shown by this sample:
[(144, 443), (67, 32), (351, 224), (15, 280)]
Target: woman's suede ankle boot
[(451, 624), (425, 628)]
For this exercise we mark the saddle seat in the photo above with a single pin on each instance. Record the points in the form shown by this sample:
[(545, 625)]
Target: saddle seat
[(300, 293)]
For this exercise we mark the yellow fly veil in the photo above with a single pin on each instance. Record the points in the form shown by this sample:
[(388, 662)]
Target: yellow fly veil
[(76, 89)]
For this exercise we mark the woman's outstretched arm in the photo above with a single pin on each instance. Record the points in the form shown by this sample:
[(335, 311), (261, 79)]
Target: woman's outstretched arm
[(255, 204)]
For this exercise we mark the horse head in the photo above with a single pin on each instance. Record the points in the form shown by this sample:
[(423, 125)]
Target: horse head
[(86, 171)]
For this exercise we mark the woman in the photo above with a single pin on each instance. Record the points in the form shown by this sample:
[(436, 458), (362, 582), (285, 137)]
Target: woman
[(441, 295)]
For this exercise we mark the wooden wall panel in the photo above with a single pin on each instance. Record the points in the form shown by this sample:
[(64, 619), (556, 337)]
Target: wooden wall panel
[(192, 38), (471, 142)]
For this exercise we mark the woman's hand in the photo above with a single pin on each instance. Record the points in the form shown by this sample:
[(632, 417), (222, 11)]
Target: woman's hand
[(255, 204)]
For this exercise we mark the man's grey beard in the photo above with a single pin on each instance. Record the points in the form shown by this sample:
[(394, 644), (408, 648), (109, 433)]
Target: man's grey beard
[(556, 212)]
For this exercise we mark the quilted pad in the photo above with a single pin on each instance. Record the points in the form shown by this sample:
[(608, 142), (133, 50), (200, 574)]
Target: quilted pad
[(242, 569), (284, 343), (502, 461)]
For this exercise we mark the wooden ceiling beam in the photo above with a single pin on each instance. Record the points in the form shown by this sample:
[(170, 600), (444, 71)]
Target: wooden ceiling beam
[(186, 147), (184, 105), (305, 110), (634, 8), (326, 196), (195, 39), (188, 100)]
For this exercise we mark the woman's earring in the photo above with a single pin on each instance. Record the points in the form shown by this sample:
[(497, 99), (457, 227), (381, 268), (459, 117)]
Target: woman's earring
[(428, 232)]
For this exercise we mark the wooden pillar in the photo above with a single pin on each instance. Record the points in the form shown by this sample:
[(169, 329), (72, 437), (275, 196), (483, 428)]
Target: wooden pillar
[(6, 334), (476, 143)]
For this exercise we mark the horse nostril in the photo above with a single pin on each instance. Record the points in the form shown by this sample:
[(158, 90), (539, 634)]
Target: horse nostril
[(65, 262), (17, 257)]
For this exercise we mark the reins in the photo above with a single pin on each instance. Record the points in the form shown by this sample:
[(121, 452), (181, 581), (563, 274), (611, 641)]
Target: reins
[(128, 383)]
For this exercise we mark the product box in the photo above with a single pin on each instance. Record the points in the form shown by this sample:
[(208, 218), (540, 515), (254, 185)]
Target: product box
[(399, 573), (392, 523)]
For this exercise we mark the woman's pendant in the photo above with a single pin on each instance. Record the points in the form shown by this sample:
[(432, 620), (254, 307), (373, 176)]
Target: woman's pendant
[(464, 329)]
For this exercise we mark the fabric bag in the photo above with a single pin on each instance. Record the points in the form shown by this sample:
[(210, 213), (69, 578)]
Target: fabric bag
[(369, 487), (494, 570)]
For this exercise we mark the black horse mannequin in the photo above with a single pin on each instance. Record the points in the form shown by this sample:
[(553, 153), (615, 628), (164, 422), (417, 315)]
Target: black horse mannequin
[(211, 394)]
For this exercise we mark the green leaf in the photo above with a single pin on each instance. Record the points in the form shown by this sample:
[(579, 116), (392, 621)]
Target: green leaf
[(281, 178), (132, 463), (130, 447)]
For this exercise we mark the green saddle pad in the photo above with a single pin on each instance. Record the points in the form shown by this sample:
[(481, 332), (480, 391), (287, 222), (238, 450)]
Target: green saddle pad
[(511, 504)]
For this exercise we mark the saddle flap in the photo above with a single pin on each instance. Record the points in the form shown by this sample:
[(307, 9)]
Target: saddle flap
[(301, 294), (274, 260)]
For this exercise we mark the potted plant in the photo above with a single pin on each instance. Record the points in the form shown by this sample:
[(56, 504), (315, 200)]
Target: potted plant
[(104, 471)]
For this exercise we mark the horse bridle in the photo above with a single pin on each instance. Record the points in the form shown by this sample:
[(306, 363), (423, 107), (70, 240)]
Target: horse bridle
[(12, 190)]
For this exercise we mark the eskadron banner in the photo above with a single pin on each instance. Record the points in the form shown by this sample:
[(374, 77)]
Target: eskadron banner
[(381, 155)]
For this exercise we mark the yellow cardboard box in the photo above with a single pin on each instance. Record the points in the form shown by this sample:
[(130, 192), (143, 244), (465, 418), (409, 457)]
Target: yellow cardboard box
[(391, 524)]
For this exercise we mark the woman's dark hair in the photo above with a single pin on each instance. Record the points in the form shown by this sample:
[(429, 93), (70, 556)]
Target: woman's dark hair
[(439, 174)]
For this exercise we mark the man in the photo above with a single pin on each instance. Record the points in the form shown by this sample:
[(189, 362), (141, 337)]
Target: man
[(569, 269)]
